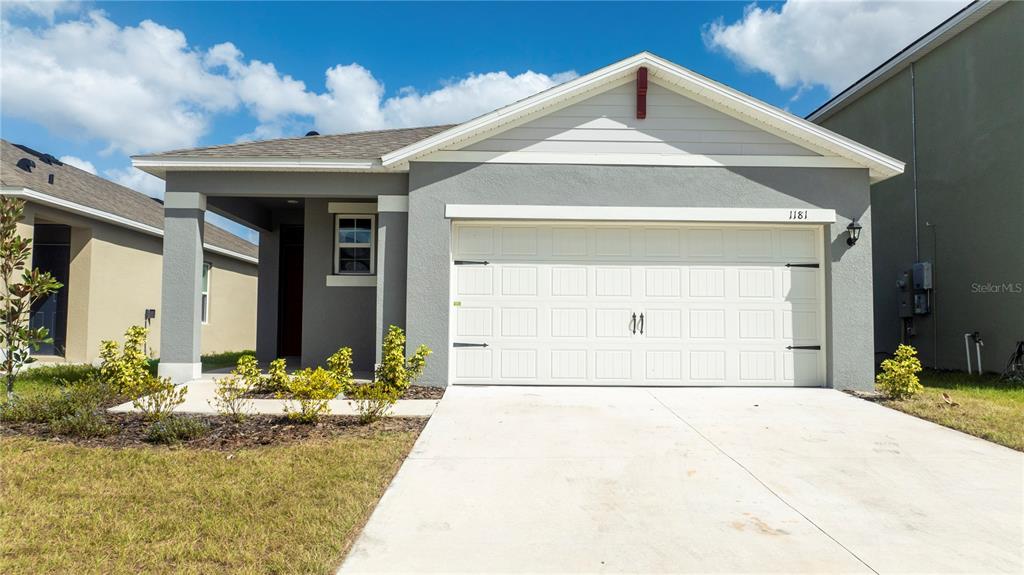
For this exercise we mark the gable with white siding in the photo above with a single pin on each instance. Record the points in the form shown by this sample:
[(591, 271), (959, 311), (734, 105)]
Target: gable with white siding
[(606, 124)]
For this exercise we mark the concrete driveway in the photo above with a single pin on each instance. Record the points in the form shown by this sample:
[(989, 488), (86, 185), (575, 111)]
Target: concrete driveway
[(564, 480)]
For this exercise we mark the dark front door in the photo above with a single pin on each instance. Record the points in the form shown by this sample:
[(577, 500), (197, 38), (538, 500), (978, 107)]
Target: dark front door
[(289, 306), (51, 252)]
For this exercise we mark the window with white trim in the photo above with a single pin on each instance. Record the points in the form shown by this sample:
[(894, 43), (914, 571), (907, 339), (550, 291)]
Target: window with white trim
[(206, 291), (355, 236)]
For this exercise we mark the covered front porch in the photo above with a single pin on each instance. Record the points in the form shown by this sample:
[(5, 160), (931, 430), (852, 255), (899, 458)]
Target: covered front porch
[(332, 262)]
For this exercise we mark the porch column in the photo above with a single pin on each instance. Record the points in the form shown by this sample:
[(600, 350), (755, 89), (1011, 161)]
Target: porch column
[(392, 246), (181, 294)]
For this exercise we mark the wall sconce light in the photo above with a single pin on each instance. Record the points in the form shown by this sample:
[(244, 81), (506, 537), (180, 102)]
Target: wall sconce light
[(854, 229)]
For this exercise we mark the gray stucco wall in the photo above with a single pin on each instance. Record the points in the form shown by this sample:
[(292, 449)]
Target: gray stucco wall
[(970, 133), (848, 306), (392, 267), (332, 317), (181, 300)]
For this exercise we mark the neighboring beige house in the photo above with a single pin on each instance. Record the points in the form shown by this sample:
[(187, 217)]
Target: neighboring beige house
[(104, 242)]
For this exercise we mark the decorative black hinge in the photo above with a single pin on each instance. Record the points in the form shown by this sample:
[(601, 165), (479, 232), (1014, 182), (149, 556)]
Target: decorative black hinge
[(803, 347), (803, 266), (470, 263), (462, 344)]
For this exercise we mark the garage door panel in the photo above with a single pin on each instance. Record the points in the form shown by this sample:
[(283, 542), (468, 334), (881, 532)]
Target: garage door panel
[(474, 321), (613, 282), (707, 282), (613, 323), (569, 281), (569, 322), (613, 365), (556, 304), (472, 280)]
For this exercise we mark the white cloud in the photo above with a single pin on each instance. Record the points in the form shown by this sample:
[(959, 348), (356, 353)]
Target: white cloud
[(813, 42), (79, 163), (145, 88), (137, 180), (46, 10), (136, 88), (355, 99)]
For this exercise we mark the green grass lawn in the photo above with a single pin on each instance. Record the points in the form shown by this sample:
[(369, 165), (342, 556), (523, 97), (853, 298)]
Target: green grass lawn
[(988, 408), (283, 509), (42, 379)]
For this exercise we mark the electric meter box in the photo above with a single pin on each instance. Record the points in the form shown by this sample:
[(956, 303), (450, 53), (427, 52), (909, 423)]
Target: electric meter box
[(922, 272)]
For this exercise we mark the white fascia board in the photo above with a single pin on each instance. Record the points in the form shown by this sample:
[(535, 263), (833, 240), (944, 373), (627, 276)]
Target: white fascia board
[(747, 108), (160, 166), (86, 211), (795, 215), (605, 159), (919, 49)]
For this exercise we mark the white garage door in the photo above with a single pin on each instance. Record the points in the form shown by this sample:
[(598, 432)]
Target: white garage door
[(637, 304)]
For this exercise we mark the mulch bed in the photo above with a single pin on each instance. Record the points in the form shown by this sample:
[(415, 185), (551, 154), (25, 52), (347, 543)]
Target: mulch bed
[(414, 392), (224, 434)]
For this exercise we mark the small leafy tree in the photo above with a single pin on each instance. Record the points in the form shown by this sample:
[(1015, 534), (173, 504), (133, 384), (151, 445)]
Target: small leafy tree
[(391, 379), (230, 395), (899, 378), (17, 295), (312, 390)]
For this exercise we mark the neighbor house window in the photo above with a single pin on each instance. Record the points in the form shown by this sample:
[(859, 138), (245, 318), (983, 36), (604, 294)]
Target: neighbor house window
[(354, 253), (206, 291)]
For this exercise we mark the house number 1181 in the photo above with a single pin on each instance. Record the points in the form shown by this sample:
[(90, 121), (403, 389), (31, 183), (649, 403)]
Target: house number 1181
[(798, 214)]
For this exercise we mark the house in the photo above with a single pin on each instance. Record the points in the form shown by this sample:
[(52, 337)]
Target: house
[(639, 225), (950, 104), (104, 242)]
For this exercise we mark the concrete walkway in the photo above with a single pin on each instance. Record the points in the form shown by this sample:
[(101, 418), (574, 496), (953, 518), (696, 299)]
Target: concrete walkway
[(200, 395), (564, 480)]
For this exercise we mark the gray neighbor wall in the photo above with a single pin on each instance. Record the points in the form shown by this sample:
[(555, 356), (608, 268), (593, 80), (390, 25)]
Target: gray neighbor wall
[(849, 302), (970, 167)]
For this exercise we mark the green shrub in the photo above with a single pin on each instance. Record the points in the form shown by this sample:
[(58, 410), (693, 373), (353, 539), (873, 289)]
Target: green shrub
[(311, 389), (83, 422), (899, 378), (34, 408), (79, 408), (127, 368), (277, 377), (84, 408), (391, 379), (229, 397), (159, 397), (176, 429)]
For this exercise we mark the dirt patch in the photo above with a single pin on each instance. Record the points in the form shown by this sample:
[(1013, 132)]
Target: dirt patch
[(414, 392), (224, 434)]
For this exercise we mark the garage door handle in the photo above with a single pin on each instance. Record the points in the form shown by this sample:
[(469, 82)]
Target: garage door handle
[(470, 263), (803, 347), (802, 265), (632, 324), (462, 344), (641, 324)]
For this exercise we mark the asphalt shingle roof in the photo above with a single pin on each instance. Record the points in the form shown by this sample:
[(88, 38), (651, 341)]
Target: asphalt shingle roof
[(83, 188), (354, 146)]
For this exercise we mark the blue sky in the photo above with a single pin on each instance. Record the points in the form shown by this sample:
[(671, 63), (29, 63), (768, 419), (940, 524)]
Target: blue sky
[(91, 81)]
